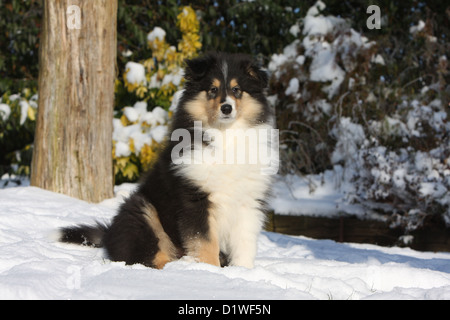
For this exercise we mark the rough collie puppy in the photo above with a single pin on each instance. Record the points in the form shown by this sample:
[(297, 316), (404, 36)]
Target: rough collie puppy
[(199, 199)]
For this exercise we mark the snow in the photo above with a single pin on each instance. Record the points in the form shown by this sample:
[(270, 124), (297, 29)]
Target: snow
[(294, 30), (372, 174), (34, 266), (293, 87), (23, 111), (135, 73), (349, 137), (156, 33), (146, 126), (122, 149), (320, 195), (324, 68), (5, 111), (378, 58), (319, 25), (159, 133), (420, 26), (316, 8)]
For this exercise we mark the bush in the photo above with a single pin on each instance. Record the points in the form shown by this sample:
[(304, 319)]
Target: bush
[(347, 102), (17, 124), (150, 85), (19, 43)]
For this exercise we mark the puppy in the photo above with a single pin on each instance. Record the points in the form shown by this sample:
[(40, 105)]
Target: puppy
[(204, 197)]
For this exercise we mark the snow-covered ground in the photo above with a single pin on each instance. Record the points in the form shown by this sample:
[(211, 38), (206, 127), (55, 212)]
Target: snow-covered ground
[(34, 266)]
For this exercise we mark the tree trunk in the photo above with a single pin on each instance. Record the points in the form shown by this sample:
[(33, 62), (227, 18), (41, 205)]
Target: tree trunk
[(77, 63)]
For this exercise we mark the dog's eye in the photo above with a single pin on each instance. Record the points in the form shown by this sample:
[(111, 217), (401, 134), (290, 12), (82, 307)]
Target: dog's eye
[(213, 90), (236, 91)]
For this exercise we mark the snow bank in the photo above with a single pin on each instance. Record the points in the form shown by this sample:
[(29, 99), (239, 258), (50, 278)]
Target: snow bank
[(318, 195), (33, 266)]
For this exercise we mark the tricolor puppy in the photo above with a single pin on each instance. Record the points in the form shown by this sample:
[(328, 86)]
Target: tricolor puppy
[(211, 211)]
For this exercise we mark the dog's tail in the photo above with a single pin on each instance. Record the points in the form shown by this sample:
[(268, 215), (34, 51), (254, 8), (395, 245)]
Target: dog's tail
[(84, 235)]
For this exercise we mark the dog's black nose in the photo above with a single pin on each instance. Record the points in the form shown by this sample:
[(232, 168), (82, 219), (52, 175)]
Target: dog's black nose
[(226, 109)]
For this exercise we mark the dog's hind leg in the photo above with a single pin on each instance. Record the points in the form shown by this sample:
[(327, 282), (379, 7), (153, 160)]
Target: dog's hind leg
[(167, 251), (137, 236)]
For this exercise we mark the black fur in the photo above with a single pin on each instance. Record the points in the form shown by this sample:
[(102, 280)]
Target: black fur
[(181, 205)]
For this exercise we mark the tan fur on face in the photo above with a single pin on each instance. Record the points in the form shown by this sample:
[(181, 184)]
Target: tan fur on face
[(233, 83), (216, 83), (249, 108), (197, 108), (204, 110), (208, 110), (167, 251)]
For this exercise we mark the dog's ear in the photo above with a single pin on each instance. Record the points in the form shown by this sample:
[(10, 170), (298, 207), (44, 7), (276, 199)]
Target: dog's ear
[(197, 68), (256, 73)]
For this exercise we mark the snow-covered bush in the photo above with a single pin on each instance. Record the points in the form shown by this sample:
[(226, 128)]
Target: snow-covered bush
[(318, 79), (137, 137), (340, 105), (17, 124), (411, 181), (158, 77), (147, 89)]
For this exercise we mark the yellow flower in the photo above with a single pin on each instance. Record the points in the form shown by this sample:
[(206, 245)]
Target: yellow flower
[(26, 92), (131, 142), (130, 86), (130, 171), (159, 48), (141, 91), (120, 163), (124, 120), (173, 59), (147, 156), (160, 74), (149, 64), (31, 113), (187, 21), (168, 89), (189, 45)]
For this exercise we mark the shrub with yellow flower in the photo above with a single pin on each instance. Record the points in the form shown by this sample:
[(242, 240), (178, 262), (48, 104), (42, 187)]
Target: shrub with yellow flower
[(160, 76), (152, 82)]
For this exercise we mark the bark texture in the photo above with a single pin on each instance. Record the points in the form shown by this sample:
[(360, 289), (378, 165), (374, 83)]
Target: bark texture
[(77, 67)]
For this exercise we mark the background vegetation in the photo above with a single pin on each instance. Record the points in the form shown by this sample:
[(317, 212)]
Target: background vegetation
[(379, 99)]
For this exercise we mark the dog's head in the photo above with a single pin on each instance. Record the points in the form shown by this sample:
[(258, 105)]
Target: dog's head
[(223, 89)]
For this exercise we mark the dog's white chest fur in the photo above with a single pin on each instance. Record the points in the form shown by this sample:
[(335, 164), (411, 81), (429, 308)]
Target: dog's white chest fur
[(235, 191)]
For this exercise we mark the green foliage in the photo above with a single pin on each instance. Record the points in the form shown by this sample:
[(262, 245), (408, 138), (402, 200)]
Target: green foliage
[(19, 42), (259, 28), (135, 19), (17, 127)]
